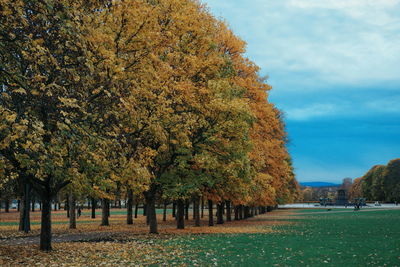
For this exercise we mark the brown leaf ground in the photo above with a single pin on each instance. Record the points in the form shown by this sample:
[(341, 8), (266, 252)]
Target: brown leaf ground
[(118, 244)]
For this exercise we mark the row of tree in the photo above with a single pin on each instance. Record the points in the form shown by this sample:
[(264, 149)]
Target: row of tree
[(153, 98), (380, 183)]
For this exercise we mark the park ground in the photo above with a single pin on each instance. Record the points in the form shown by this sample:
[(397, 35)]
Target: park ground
[(288, 237)]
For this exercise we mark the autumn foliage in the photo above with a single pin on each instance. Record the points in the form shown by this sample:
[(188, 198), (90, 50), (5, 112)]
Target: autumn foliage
[(151, 99), (380, 183)]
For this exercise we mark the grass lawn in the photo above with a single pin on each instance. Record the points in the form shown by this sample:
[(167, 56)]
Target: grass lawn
[(326, 239)]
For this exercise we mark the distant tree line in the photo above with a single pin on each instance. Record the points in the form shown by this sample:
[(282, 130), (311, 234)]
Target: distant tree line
[(380, 183)]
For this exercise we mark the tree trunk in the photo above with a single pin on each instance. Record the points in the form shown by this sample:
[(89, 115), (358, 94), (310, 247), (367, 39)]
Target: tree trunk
[(193, 208), (18, 205), (129, 207), (6, 205), (202, 207), (228, 211), (72, 212), (220, 213), (33, 205), (246, 212), (144, 210), (136, 208), (45, 230), (174, 209), (210, 213), (187, 210), (94, 206), (165, 212), (104, 212), (236, 210), (196, 211), (108, 207), (241, 212), (180, 222), (25, 223), (66, 205), (151, 210)]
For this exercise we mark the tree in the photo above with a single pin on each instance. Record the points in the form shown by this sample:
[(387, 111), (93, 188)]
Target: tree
[(391, 183)]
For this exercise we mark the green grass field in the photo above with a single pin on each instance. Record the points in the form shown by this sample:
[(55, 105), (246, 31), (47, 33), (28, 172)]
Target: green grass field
[(370, 238)]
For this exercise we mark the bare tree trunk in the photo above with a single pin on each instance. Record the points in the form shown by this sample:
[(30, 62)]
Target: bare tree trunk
[(180, 222), (129, 207), (151, 210), (202, 207), (236, 210), (25, 223), (45, 230), (136, 208), (33, 205), (196, 211), (104, 212), (66, 205), (187, 210), (174, 209), (72, 212), (144, 209), (228, 211), (94, 206), (210, 213), (165, 211), (220, 213), (6, 205)]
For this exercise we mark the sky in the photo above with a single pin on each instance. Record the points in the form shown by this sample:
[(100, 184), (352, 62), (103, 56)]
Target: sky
[(334, 66)]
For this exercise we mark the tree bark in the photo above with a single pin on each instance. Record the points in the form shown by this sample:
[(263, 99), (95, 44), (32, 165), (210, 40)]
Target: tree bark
[(33, 205), (210, 213), (202, 207), (151, 210), (45, 230), (180, 222), (165, 211), (220, 213), (228, 211), (72, 212), (129, 207), (196, 211), (187, 210), (94, 206), (174, 209), (236, 210), (24, 222), (144, 210), (136, 208), (246, 212), (6, 205), (66, 205), (104, 212)]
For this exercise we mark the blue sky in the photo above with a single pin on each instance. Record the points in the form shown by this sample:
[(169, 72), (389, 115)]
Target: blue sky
[(335, 70)]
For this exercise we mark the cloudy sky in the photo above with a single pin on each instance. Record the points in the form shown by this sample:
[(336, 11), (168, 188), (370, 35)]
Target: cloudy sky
[(335, 70)]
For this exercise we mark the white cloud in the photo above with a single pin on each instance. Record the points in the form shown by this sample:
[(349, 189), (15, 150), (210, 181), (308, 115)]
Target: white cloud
[(341, 42), (310, 112)]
